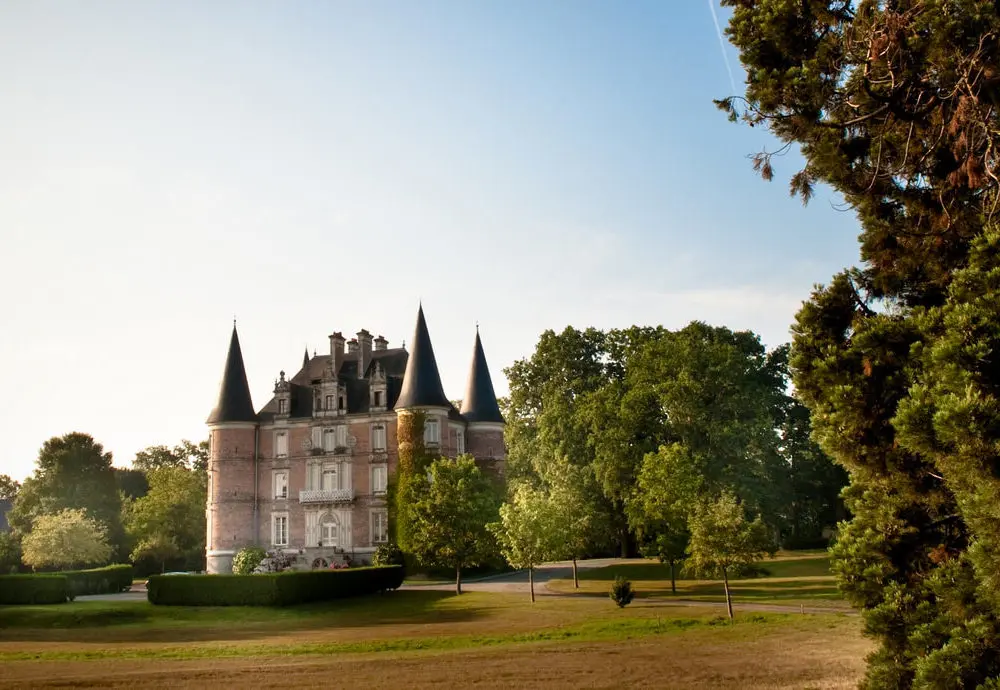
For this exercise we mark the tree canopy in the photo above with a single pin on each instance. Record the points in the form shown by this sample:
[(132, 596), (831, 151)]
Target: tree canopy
[(72, 471), (894, 105), (67, 539), (169, 521)]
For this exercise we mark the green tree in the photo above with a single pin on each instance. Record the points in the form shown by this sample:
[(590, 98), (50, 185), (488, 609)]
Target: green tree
[(894, 105), (529, 530), (72, 471), (723, 539), (186, 454), (668, 488), (450, 509), (583, 523), (64, 540), (8, 488), (169, 521), (10, 552), (132, 484), (247, 559)]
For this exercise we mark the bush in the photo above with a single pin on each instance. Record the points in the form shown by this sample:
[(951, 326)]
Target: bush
[(622, 592), (34, 589), (388, 554), (272, 589), (110, 579), (247, 559)]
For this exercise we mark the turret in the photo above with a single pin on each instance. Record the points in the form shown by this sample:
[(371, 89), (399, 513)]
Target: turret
[(484, 433), (232, 429), (422, 390)]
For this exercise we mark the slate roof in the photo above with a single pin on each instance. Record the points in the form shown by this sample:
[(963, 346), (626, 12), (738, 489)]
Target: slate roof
[(393, 364), (480, 401), (422, 381), (234, 403)]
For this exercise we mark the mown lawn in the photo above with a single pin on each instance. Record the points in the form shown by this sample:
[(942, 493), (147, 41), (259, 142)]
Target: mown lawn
[(426, 639), (799, 578)]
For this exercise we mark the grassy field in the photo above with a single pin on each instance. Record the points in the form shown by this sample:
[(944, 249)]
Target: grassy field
[(434, 638), (799, 578)]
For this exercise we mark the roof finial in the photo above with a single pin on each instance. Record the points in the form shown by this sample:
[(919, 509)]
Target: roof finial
[(477, 325), (234, 320)]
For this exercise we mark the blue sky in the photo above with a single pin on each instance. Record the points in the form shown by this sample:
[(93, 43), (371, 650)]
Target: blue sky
[(311, 167)]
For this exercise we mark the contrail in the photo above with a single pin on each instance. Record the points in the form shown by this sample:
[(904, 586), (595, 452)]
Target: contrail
[(722, 43)]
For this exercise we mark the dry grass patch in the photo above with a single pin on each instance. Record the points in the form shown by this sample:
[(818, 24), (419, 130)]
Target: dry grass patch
[(807, 652)]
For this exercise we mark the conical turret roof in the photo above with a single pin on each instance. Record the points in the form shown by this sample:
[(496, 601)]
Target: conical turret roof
[(234, 403), (480, 402), (421, 382)]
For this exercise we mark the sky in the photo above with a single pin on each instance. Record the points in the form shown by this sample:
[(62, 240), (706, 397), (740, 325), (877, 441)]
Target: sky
[(310, 167)]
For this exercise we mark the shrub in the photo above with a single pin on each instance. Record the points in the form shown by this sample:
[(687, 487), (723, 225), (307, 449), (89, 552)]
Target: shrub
[(622, 592), (34, 589), (272, 589), (110, 579), (247, 560), (273, 562), (389, 554)]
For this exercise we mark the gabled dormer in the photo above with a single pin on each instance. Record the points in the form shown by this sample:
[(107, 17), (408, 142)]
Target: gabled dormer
[(377, 390), (283, 396)]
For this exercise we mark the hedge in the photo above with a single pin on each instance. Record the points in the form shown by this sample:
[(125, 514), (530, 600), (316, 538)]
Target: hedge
[(110, 579), (271, 589), (34, 589)]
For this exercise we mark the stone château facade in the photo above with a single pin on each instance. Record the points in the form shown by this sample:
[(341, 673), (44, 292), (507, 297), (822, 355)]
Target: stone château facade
[(307, 474)]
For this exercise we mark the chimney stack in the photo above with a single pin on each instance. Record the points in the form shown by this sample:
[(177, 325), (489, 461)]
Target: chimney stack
[(336, 351), (364, 351), (381, 344)]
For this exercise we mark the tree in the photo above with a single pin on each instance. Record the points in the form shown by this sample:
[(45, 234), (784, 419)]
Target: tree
[(582, 520), (72, 471), (66, 539), (132, 484), (528, 531), (169, 521), (8, 488), (10, 553), (894, 105), (450, 510), (669, 486), (722, 538), (185, 454)]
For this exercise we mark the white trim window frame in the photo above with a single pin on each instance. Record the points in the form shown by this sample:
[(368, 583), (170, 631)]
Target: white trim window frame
[(378, 437), (281, 444), (379, 479), (432, 432), (279, 484), (379, 523), (279, 529)]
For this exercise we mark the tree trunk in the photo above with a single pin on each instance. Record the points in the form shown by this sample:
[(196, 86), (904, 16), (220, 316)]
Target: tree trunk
[(729, 598), (576, 579), (458, 579), (673, 578), (531, 582)]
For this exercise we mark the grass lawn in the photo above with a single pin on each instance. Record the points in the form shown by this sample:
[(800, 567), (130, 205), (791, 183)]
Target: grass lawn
[(424, 639), (793, 578)]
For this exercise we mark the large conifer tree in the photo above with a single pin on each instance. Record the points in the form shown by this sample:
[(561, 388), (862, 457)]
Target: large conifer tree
[(894, 104)]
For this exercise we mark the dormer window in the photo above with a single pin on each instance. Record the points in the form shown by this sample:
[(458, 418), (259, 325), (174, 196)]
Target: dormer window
[(282, 406), (378, 398), (329, 402), (341, 405)]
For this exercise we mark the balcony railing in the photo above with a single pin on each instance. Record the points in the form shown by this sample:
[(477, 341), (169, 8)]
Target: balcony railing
[(326, 495)]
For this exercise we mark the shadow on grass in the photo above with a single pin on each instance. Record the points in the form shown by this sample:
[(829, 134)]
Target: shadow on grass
[(810, 566), (142, 622)]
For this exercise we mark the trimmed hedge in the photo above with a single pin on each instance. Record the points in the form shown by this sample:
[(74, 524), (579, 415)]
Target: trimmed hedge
[(110, 579), (34, 589), (271, 589)]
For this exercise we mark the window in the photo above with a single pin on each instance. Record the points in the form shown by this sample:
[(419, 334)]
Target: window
[(460, 441), (279, 530), (432, 431), (331, 532), (329, 439), (378, 437), (340, 404), (330, 478), (378, 479), (329, 402), (281, 445), (378, 398), (380, 527), (341, 436), (282, 406), (281, 485)]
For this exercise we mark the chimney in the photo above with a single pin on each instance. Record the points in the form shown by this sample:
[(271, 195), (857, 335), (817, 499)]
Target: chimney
[(337, 351), (352, 346), (364, 351), (381, 344)]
